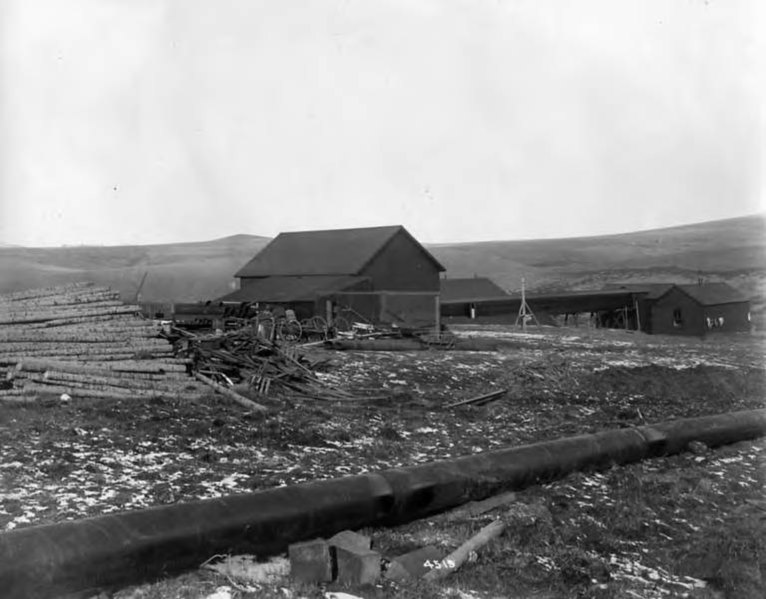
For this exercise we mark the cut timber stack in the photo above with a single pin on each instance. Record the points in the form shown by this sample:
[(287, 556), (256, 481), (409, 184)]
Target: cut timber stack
[(82, 340)]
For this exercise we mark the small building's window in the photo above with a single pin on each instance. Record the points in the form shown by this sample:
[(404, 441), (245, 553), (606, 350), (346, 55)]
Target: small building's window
[(678, 320)]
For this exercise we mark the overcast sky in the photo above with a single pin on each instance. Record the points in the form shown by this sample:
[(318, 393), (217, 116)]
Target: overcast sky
[(148, 121)]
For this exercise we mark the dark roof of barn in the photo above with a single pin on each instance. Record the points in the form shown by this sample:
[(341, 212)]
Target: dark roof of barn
[(331, 252), (713, 294), (291, 289), (475, 288)]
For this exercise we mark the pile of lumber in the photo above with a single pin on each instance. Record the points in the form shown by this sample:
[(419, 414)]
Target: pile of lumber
[(81, 340), (267, 367)]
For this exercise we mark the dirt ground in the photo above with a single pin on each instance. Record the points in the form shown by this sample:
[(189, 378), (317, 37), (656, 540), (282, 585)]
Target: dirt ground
[(689, 525)]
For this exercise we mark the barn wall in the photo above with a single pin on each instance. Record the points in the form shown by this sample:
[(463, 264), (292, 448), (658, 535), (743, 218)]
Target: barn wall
[(402, 266), (692, 313), (354, 307), (418, 310), (387, 308), (645, 314), (734, 317), (248, 282)]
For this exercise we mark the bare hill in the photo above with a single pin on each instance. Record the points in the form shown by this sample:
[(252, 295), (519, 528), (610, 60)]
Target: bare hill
[(732, 250), (176, 272)]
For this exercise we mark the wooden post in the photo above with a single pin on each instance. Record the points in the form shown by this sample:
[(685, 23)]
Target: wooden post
[(438, 315), (460, 556), (383, 306), (638, 317), (328, 312)]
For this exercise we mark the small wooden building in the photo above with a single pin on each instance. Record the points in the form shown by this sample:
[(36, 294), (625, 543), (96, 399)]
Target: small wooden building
[(700, 309), (381, 274)]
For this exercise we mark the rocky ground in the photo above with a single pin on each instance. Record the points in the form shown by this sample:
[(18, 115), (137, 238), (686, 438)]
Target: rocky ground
[(688, 525)]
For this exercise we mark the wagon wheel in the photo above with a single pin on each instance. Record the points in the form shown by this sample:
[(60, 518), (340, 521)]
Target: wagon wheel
[(290, 330), (319, 325), (308, 330), (314, 328)]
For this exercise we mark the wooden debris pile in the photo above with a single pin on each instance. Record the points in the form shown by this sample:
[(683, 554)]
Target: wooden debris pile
[(81, 340), (267, 367)]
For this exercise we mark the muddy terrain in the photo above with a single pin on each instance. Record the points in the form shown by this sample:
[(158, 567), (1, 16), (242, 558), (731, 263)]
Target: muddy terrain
[(688, 525)]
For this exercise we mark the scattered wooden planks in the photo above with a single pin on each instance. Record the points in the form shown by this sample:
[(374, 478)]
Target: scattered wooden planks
[(243, 401), (267, 366), (479, 399)]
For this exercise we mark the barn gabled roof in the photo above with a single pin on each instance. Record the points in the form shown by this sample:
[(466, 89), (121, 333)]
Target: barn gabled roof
[(475, 288), (713, 294), (330, 252)]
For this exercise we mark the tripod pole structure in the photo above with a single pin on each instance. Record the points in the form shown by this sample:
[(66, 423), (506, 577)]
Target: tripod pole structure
[(525, 312)]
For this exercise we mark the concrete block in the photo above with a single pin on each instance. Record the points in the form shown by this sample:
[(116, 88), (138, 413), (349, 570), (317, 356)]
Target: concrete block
[(350, 540), (311, 561), (413, 564), (357, 566)]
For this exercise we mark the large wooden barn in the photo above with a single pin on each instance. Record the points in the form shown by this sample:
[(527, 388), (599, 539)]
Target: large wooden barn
[(378, 274)]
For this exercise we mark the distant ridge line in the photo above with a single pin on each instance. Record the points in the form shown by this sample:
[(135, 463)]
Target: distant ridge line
[(244, 237), (661, 230)]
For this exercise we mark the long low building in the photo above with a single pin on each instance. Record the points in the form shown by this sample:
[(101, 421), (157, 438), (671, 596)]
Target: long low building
[(494, 309), (658, 308)]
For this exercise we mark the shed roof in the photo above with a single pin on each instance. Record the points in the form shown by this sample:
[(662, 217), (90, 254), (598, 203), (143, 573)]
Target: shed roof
[(713, 294), (453, 290), (569, 301), (652, 290), (330, 252), (291, 289)]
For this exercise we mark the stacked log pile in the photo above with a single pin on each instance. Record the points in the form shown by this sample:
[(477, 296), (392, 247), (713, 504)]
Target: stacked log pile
[(81, 340)]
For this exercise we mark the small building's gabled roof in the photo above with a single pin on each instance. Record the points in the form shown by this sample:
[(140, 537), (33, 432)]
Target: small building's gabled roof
[(713, 294), (331, 252), (291, 289), (475, 288)]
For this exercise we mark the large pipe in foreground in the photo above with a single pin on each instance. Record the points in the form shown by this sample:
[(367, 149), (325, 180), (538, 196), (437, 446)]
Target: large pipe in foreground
[(127, 548)]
